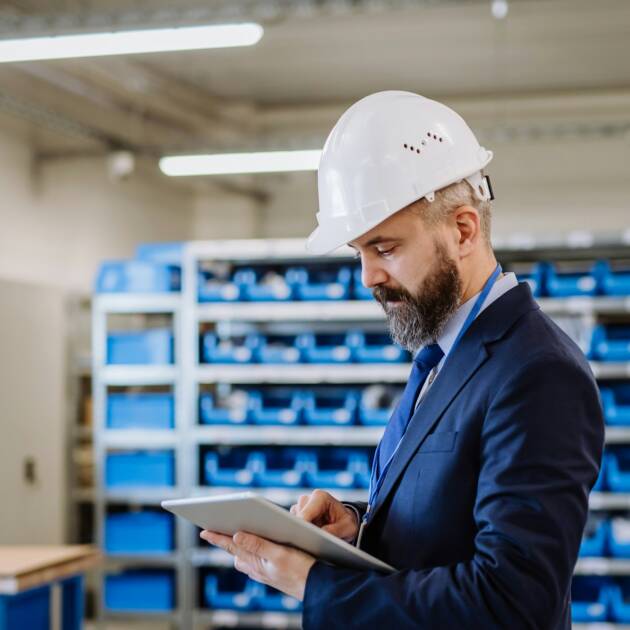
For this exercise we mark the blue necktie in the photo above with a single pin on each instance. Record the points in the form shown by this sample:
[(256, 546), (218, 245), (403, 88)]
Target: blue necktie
[(423, 363)]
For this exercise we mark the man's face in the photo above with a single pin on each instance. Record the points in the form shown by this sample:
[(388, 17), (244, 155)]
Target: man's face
[(412, 275)]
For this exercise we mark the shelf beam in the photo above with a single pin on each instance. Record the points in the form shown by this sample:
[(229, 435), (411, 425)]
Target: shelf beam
[(137, 302)]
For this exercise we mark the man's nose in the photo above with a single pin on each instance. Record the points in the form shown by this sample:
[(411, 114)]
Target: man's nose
[(372, 275)]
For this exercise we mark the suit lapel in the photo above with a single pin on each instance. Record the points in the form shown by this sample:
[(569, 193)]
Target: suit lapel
[(460, 366)]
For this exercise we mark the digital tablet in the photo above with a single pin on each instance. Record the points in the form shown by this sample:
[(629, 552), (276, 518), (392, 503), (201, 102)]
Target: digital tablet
[(248, 512)]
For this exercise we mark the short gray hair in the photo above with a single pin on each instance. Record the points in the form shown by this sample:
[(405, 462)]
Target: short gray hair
[(452, 197)]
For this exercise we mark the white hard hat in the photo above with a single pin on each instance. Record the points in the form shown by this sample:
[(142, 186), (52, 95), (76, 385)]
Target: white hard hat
[(386, 151)]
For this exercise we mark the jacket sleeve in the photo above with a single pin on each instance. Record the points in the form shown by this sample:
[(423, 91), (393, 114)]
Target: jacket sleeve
[(540, 451)]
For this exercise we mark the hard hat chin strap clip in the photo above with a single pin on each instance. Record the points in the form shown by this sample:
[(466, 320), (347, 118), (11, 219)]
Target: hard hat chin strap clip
[(488, 186), (481, 186)]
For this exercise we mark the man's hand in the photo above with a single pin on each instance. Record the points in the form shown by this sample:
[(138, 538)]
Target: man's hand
[(323, 510), (282, 567)]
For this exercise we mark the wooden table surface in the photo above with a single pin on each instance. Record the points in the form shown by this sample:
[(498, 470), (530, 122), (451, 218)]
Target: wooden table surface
[(27, 566)]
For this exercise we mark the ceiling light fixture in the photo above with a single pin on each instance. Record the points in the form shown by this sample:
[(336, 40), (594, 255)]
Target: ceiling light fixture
[(130, 42), (233, 163)]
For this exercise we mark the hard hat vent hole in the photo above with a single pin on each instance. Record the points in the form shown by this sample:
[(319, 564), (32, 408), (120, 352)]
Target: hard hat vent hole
[(433, 136), (418, 149)]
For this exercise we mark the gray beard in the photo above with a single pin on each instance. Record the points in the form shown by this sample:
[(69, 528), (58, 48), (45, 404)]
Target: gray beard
[(420, 319)]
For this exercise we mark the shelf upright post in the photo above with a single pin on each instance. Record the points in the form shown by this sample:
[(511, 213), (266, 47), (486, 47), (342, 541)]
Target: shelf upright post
[(188, 334), (99, 359)]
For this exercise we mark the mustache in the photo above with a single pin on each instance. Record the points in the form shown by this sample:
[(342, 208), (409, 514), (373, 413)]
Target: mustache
[(385, 294)]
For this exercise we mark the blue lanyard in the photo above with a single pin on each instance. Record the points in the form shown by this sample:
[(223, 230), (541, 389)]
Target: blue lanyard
[(375, 485)]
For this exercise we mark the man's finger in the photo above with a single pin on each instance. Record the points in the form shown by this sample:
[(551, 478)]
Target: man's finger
[(227, 543), (219, 540), (315, 508), (257, 546)]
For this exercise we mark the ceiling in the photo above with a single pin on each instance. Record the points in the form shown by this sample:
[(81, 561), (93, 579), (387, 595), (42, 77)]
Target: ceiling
[(316, 57)]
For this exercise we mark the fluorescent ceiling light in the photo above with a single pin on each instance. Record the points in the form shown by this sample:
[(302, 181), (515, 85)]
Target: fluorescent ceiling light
[(130, 42), (231, 163)]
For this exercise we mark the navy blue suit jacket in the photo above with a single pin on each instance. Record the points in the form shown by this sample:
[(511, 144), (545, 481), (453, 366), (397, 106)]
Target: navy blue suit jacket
[(483, 508)]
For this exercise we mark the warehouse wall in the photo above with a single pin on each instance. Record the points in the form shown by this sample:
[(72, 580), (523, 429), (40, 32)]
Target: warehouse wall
[(32, 414), (220, 215), (60, 221)]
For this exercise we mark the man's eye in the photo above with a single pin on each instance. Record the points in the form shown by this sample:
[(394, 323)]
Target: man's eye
[(385, 252)]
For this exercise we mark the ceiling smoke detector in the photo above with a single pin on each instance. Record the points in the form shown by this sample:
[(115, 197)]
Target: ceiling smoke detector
[(499, 9)]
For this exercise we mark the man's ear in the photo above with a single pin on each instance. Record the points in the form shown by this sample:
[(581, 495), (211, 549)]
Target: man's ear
[(468, 223)]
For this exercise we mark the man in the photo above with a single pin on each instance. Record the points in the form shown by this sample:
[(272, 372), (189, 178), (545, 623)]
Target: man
[(479, 490)]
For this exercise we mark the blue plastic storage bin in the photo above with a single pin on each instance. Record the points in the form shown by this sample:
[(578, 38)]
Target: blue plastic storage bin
[(376, 348), (212, 411), (602, 478), (263, 284), (619, 537), (359, 291), (269, 599), (618, 470), (283, 468), (619, 597), (330, 408), (335, 468), (146, 531), (237, 349), (168, 253), (137, 276), (147, 410), (320, 283), (573, 280), (140, 589), (325, 347), (616, 403), (595, 540), (275, 407), (149, 347), (232, 468), (28, 610), (279, 349), (215, 287), (230, 590), (590, 599), (31, 609), (140, 468), (610, 343), (377, 404), (616, 278)]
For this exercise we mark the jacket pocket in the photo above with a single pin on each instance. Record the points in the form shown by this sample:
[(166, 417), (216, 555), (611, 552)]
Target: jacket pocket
[(439, 442)]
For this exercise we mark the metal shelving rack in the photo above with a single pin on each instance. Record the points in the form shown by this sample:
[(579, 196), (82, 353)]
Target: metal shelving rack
[(105, 376), (188, 374)]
